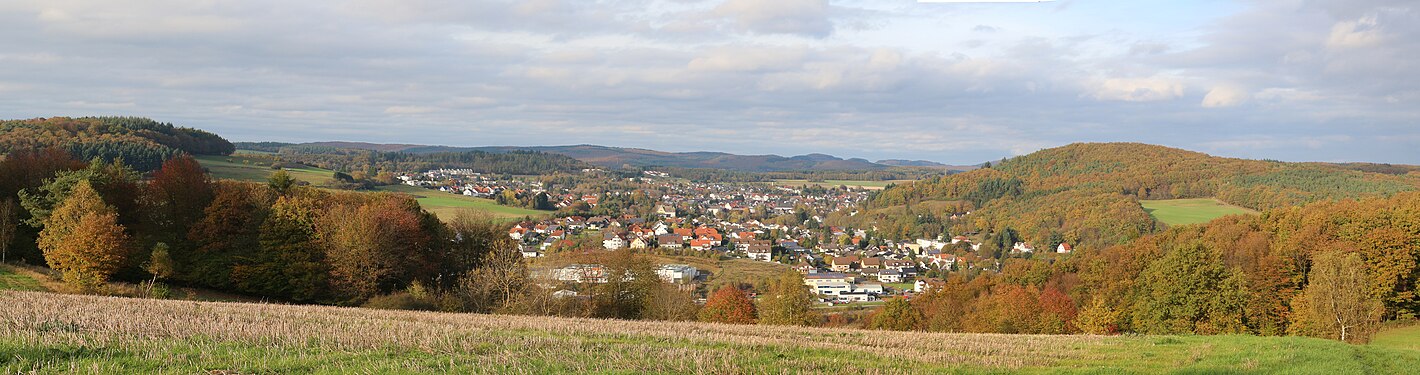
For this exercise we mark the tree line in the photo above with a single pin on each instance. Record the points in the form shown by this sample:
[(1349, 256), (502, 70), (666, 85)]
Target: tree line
[(142, 143)]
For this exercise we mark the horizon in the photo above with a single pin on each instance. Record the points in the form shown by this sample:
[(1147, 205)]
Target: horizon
[(950, 82)]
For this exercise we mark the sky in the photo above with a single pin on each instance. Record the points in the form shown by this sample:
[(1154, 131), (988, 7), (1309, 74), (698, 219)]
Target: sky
[(958, 83)]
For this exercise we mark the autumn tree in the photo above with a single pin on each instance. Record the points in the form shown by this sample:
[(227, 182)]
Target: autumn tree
[(281, 182), (83, 240), (731, 305), (626, 293), (1337, 302), (898, 315), (374, 247), (1189, 290), (227, 232), (670, 302), (498, 281), (288, 262), (788, 301), (175, 199)]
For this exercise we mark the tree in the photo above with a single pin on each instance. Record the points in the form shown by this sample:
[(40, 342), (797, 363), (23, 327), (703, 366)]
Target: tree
[(281, 182), (494, 285), (9, 224), (83, 240), (228, 231), (669, 302), (160, 263), (630, 282), (788, 302), (1189, 290), (897, 315), (729, 305), (1098, 319), (175, 199), (1338, 302), (288, 262)]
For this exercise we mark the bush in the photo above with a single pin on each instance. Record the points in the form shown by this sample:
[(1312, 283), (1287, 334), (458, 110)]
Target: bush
[(399, 301)]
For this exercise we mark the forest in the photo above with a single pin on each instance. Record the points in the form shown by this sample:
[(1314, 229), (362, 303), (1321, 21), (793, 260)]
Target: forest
[(141, 143), (1088, 194), (1332, 269), (371, 163)]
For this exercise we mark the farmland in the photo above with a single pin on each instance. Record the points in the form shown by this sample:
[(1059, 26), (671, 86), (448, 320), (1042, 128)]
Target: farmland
[(119, 335), (255, 167), (1190, 211), (448, 205)]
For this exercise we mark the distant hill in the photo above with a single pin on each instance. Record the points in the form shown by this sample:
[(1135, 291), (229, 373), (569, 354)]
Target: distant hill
[(1098, 186), (617, 157), (142, 143)]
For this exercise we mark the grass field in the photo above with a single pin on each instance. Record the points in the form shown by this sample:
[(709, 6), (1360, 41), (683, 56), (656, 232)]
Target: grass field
[(448, 205), (12, 278), (1406, 337), (870, 185), (1190, 211), (118, 335), (256, 167), (247, 166)]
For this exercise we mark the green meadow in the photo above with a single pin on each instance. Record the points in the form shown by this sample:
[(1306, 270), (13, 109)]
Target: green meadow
[(256, 167), (449, 205), (1190, 211)]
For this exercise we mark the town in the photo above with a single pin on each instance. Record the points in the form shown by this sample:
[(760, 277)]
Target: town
[(763, 222)]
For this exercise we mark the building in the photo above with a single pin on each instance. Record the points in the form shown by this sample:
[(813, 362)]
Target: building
[(828, 284), (677, 273), (614, 243), (1064, 248), (890, 276)]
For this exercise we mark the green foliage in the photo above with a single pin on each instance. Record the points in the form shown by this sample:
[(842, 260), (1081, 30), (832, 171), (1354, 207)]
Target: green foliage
[(897, 315), (1189, 290), (788, 301)]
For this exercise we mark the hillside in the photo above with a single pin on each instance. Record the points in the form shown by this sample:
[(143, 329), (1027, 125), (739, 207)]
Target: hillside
[(118, 335), (142, 143), (617, 157), (1090, 192)]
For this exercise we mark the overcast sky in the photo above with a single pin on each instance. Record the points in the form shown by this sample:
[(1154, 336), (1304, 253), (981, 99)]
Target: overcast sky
[(955, 83)]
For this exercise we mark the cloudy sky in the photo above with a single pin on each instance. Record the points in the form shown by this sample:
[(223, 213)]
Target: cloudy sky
[(950, 82)]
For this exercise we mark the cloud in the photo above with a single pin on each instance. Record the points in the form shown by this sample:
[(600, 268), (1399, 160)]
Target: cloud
[(799, 17), (1139, 89), (850, 78), (1225, 96)]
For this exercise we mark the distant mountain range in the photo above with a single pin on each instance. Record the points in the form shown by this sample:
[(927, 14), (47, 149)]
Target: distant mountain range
[(616, 157)]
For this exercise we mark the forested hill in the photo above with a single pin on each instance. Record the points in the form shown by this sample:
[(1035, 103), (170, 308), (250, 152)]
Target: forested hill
[(1089, 192), (142, 143), (345, 157), (619, 157)]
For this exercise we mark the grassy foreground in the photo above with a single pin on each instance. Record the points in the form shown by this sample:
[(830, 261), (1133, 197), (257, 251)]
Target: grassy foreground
[(1190, 211), (53, 333)]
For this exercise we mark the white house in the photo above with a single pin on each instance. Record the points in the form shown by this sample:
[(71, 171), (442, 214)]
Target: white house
[(890, 276), (673, 273), (614, 243), (1022, 247), (1064, 248)]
